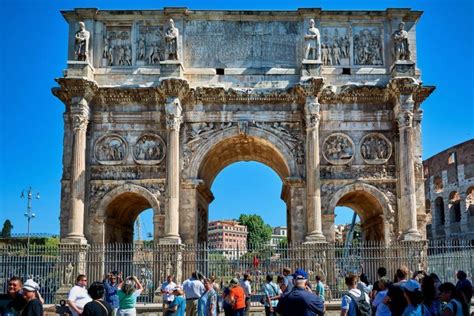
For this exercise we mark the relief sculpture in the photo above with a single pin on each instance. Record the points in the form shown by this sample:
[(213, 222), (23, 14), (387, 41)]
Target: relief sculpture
[(375, 149), (335, 46), (149, 149), (117, 47), (338, 149), (367, 46), (110, 150), (150, 49)]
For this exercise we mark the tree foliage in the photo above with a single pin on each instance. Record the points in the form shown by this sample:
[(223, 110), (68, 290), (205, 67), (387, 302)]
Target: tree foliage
[(7, 229), (258, 232)]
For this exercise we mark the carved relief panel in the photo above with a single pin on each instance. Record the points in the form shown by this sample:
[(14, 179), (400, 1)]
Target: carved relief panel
[(150, 45), (375, 148), (338, 149), (110, 150), (150, 149), (368, 48), (117, 48), (335, 46)]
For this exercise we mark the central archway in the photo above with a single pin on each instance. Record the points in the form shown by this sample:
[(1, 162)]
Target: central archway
[(227, 147)]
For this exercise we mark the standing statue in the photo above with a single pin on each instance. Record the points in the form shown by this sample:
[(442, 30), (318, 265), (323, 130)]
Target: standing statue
[(82, 43), (400, 43), (171, 39), (313, 42)]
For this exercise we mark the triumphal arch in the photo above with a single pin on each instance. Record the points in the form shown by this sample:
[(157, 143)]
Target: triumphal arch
[(158, 102)]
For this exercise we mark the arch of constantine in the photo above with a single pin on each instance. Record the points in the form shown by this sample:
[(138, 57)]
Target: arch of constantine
[(158, 102)]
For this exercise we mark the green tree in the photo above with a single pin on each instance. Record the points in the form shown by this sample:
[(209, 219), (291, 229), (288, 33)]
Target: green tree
[(7, 229), (258, 232)]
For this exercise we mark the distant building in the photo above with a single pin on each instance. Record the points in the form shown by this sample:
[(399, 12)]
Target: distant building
[(229, 236), (449, 191), (279, 233)]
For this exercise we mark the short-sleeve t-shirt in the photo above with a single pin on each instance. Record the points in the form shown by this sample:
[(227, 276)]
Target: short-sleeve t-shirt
[(237, 292), (451, 307), (180, 303), (271, 289), (78, 295), (128, 301), (320, 289), (349, 305)]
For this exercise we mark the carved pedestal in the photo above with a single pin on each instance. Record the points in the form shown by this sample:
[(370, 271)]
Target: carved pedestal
[(403, 68), (171, 68), (311, 68), (79, 69)]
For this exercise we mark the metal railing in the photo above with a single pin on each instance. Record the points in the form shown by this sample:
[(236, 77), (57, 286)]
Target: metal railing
[(55, 267)]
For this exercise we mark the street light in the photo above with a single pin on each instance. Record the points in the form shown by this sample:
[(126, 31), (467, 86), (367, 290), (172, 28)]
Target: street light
[(29, 215)]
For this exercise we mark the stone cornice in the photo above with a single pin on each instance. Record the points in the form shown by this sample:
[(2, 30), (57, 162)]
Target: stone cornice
[(113, 96), (74, 88), (354, 94), (422, 94)]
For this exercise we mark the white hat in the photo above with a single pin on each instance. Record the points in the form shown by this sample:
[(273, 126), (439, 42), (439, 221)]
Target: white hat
[(31, 286)]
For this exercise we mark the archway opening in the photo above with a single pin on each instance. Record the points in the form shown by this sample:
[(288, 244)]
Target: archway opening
[(143, 226), (370, 211), (454, 207), (121, 214), (347, 225), (439, 209)]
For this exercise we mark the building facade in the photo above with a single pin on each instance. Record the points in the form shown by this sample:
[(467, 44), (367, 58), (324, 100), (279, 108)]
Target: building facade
[(228, 237), (158, 102), (449, 188), (279, 235)]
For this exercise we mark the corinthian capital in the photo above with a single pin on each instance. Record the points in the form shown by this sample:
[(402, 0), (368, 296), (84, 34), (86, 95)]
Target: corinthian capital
[(312, 109), (405, 119), (173, 113), (80, 115)]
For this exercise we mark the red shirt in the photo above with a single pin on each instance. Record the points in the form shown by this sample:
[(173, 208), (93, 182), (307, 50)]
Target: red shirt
[(238, 295)]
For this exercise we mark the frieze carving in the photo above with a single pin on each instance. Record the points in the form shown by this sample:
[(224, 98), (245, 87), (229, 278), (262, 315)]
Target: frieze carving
[(110, 150), (370, 172), (150, 149), (98, 191), (338, 149), (156, 188), (367, 45), (150, 45), (335, 47), (117, 47), (375, 148), (115, 96), (354, 94), (136, 172)]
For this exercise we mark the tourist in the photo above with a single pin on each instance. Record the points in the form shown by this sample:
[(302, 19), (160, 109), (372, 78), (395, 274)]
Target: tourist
[(430, 298), (455, 305), (381, 273), (178, 306), (381, 309), (464, 286), (129, 291), (193, 289), (299, 301), (97, 307), (78, 296), (245, 284), (167, 288), (272, 295), (319, 288), (437, 282), (111, 283), (288, 279), (395, 299), (281, 283), (237, 298), (34, 306), (354, 302), (414, 297), (12, 301), (207, 303), (226, 301)]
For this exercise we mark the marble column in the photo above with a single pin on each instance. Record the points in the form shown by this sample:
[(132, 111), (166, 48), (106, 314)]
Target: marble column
[(173, 123), (407, 169), (80, 119), (313, 180)]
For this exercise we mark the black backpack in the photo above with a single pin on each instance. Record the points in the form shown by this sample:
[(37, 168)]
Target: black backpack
[(362, 306)]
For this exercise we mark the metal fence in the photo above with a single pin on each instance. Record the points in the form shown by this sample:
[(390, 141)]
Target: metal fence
[(56, 267)]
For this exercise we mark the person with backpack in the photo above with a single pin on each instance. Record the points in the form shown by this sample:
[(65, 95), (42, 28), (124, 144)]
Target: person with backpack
[(354, 301), (272, 294), (455, 305)]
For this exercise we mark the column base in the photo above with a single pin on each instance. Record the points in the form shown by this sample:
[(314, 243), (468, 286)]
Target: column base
[(74, 240), (412, 235), (315, 238), (403, 68), (170, 240)]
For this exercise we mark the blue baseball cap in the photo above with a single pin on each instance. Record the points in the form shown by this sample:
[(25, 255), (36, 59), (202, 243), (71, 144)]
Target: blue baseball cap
[(300, 274), (410, 286)]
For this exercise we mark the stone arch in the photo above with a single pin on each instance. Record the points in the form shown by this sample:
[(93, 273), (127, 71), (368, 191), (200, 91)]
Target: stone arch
[(439, 210), (454, 207), (372, 206), (427, 206), (118, 210), (220, 150)]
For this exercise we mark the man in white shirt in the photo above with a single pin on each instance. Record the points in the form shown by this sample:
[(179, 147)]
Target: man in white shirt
[(78, 296), (193, 289), (167, 291), (245, 284), (350, 300)]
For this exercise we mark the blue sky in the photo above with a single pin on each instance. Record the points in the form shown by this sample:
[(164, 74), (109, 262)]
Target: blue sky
[(33, 53)]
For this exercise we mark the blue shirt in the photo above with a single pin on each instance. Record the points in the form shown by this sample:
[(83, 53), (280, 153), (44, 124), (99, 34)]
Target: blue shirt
[(300, 302), (111, 296), (204, 304), (411, 310), (180, 303)]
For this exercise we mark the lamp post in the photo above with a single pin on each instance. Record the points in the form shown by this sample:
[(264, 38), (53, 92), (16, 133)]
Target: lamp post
[(29, 215)]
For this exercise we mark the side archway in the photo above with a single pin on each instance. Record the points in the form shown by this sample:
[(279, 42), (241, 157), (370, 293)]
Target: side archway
[(372, 206), (118, 211)]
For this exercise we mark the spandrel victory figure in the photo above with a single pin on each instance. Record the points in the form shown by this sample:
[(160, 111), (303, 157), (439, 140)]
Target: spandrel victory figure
[(400, 43), (82, 43), (312, 42), (171, 39)]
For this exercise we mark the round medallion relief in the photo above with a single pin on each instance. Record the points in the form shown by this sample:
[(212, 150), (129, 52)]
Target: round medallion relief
[(338, 149), (110, 150), (150, 149), (375, 148)]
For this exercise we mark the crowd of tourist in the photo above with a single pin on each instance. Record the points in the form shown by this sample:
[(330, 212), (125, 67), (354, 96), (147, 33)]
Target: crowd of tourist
[(418, 294)]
